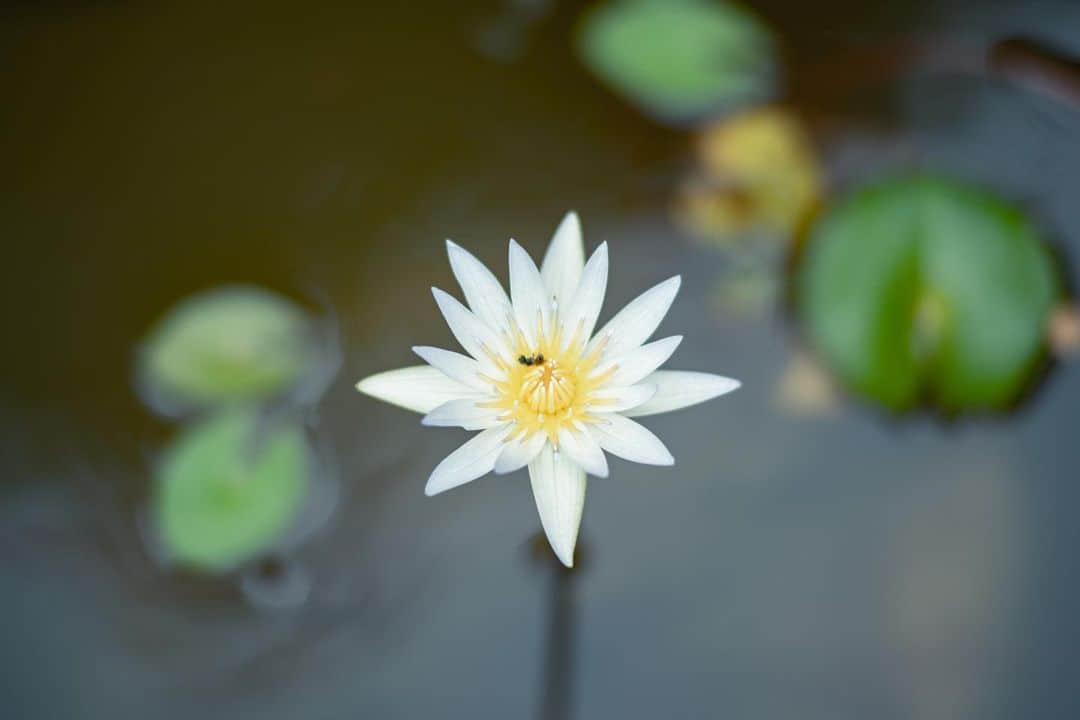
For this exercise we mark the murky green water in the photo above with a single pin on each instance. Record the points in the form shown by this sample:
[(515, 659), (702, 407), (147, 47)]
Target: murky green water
[(830, 564)]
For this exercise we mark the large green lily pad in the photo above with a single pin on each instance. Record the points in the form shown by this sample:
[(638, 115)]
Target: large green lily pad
[(228, 489), (226, 344), (678, 59), (923, 288)]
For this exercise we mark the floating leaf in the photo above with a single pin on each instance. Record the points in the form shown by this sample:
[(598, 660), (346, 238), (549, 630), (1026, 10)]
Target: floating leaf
[(678, 59), (226, 344), (228, 489), (921, 287)]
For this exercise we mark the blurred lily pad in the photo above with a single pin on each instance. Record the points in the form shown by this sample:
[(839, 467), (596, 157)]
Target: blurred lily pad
[(228, 489), (679, 60), (923, 288), (226, 344)]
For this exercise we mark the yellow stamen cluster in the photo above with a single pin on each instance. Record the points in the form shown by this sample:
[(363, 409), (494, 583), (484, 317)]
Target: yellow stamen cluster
[(547, 388), (555, 392)]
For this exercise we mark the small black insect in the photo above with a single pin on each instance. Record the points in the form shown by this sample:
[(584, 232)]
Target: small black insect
[(537, 359)]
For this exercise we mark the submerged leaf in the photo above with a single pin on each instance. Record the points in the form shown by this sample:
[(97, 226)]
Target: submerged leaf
[(921, 287), (228, 489), (225, 344), (678, 59)]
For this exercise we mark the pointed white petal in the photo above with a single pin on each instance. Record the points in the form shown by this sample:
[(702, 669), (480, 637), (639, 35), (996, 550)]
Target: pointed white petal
[(630, 441), (559, 488), (473, 333), (640, 363), (677, 389), (455, 366), (483, 292), (518, 453), (419, 388), (564, 259), (470, 461), (578, 317), (467, 413), (637, 321), (620, 399), (531, 302), (583, 450)]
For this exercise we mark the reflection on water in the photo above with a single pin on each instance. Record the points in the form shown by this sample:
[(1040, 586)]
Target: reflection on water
[(957, 560), (805, 389), (853, 567)]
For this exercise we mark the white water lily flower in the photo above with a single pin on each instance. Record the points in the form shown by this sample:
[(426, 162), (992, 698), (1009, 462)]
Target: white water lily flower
[(541, 388)]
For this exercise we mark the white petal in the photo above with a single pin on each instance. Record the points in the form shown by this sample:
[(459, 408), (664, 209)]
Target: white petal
[(677, 389), (518, 453), (620, 399), (455, 366), (467, 413), (640, 363), (583, 450), (420, 388), (559, 488), (483, 292), (630, 441), (564, 259), (579, 315), (473, 333), (637, 321), (470, 461), (531, 301)]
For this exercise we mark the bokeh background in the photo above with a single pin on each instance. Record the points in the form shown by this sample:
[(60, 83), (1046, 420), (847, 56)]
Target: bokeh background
[(811, 555)]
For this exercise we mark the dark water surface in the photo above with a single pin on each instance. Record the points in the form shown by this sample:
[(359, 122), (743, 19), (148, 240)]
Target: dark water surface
[(836, 565)]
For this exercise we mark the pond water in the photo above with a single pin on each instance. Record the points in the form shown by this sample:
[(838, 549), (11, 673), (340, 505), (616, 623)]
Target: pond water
[(831, 561)]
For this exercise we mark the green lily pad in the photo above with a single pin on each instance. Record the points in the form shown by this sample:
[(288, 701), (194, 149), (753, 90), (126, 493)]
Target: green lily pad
[(923, 288), (228, 489), (224, 345), (678, 59)]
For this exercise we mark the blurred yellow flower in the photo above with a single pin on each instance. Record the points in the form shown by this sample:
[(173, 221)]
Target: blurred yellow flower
[(758, 172)]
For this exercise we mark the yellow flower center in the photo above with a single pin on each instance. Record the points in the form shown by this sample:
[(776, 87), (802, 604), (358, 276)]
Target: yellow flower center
[(547, 386)]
